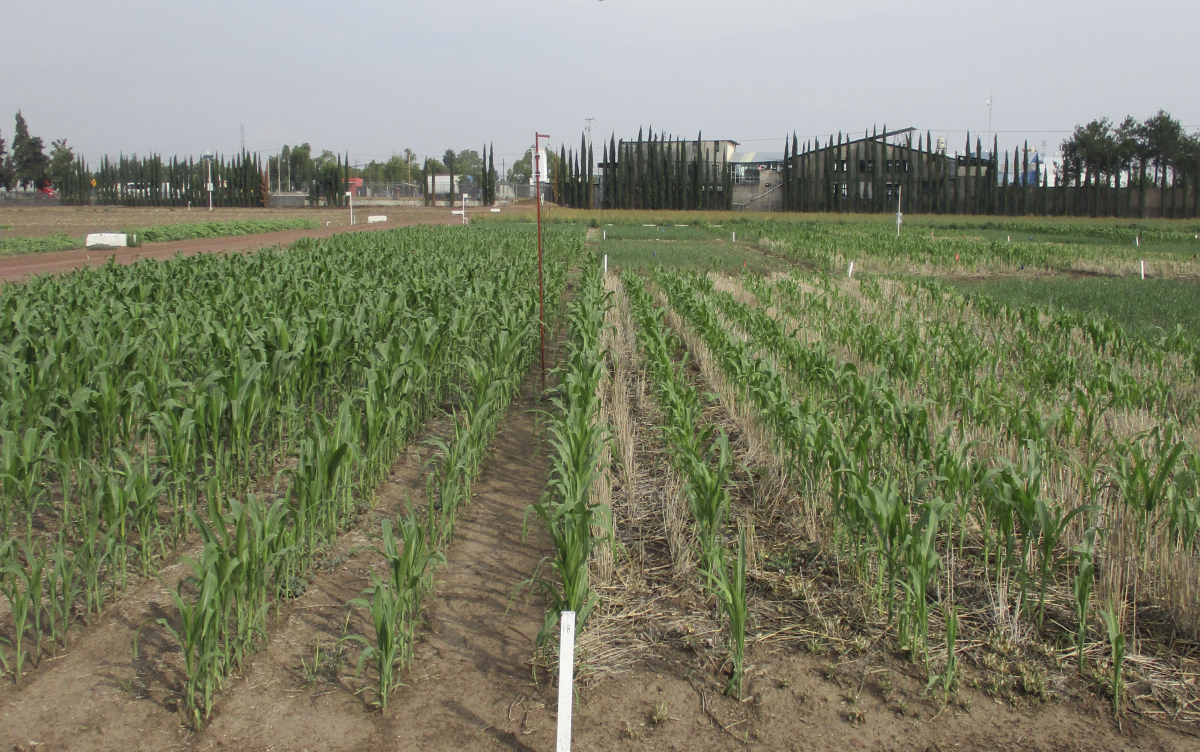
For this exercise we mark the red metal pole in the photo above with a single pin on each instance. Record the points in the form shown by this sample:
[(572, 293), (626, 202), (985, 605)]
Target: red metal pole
[(537, 190)]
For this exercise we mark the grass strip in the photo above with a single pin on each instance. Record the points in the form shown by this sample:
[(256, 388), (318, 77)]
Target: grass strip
[(58, 242)]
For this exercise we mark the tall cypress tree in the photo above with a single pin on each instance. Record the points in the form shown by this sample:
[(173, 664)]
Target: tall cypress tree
[(787, 176), (1004, 185), (994, 184), (490, 174), (640, 183), (1024, 178), (977, 203), (558, 174), (483, 178)]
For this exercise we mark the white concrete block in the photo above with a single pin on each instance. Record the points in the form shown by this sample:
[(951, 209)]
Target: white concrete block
[(108, 239), (372, 219)]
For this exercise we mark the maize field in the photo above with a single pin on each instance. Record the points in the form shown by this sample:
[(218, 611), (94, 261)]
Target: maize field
[(872, 473)]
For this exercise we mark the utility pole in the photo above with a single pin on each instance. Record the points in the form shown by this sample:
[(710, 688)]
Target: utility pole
[(537, 186), (589, 130), (989, 106), (208, 158)]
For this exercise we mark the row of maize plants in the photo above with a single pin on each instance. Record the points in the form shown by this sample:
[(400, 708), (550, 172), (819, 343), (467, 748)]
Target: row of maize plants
[(892, 479), (701, 455), (493, 373), (491, 364), (897, 529), (568, 508), (1051, 378), (1030, 381), (137, 395)]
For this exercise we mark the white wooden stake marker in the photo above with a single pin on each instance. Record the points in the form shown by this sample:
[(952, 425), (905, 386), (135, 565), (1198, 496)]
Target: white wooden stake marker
[(606, 263), (851, 272), (1143, 269), (566, 677)]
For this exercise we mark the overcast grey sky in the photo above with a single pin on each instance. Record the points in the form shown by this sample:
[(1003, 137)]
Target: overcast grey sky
[(373, 77)]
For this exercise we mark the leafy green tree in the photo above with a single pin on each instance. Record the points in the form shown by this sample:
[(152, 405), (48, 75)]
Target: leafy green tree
[(521, 170), (7, 174), (302, 169), (1163, 136), (62, 163), (29, 156)]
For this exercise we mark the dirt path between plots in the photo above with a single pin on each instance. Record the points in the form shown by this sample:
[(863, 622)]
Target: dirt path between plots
[(19, 268)]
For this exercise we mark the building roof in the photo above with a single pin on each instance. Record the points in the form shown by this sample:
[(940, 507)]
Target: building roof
[(756, 157)]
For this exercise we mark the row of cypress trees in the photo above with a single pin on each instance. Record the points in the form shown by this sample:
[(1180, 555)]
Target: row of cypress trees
[(654, 172), (571, 176), (664, 172), (488, 189), (331, 183), (155, 181), (873, 174)]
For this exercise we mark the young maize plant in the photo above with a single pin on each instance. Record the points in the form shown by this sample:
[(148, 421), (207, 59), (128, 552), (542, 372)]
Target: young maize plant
[(387, 608), (948, 677), (410, 569), (727, 581), (1082, 587), (1116, 644), (566, 508)]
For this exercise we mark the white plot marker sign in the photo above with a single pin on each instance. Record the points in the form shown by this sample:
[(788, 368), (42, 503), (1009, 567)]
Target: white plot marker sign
[(851, 272), (566, 677)]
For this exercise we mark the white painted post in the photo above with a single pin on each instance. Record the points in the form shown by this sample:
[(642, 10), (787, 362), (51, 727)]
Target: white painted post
[(1137, 240), (566, 677), (1143, 269), (899, 206), (606, 263), (851, 272), (350, 195), (604, 234), (464, 208), (735, 237)]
